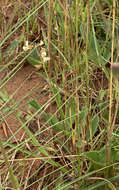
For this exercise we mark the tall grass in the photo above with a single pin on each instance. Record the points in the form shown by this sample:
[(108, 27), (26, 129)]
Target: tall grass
[(76, 145)]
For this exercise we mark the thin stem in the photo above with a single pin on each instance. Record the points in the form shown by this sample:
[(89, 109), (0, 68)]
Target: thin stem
[(50, 14), (109, 131)]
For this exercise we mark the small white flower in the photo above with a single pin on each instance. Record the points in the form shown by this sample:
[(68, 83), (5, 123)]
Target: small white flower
[(26, 47), (45, 59), (43, 53), (41, 43), (39, 66)]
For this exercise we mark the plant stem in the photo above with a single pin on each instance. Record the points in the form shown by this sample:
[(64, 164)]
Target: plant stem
[(109, 127)]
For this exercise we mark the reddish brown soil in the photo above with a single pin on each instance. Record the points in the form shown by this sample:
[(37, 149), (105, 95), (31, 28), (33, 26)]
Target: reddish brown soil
[(26, 79)]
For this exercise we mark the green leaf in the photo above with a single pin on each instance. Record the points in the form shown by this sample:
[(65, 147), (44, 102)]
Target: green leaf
[(4, 95), (11, 49), (94, 156), (33, 61), (95, 122), (58, 101), (56, 124), (54, 121), (102, 94), (34, 57), (71, 105), (94, 126), (37, 107)]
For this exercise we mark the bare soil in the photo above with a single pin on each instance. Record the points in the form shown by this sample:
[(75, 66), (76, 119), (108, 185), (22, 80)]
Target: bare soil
[(24, 80)]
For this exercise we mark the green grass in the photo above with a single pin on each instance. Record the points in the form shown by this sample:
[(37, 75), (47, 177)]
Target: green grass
[(79, 140)]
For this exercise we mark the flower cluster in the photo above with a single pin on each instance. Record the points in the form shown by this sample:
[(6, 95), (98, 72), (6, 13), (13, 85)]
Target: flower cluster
[(42, 54)]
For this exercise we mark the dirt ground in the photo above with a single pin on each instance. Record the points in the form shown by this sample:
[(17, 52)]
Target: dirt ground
[(26, 79)]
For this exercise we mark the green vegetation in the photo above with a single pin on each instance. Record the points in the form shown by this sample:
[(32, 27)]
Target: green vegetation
[(71, 45)]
